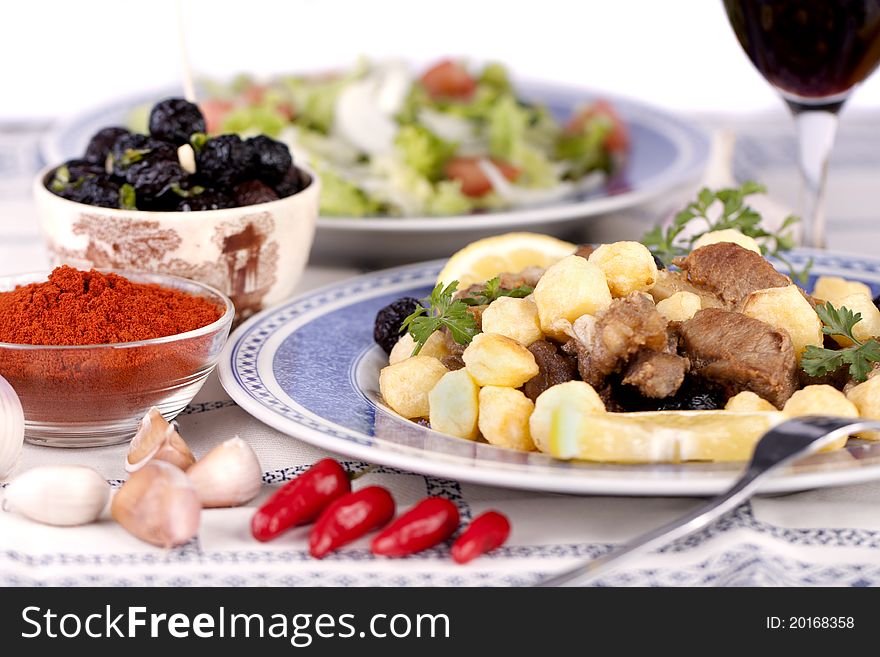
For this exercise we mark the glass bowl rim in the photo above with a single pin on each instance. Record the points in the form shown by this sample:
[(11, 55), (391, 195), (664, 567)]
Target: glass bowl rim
[(224, 319)]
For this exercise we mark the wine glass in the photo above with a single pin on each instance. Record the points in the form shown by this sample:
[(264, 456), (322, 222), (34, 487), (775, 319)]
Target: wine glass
[(813, 52)]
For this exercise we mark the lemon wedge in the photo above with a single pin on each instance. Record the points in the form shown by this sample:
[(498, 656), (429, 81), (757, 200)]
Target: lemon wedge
[(511, 252), (660, 436)]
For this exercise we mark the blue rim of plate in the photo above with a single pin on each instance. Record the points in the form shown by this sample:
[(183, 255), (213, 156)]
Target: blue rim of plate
[(309, 369), (667, 152)]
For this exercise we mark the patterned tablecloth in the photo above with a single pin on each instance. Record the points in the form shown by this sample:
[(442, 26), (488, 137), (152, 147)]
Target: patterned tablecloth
[(829, 537)]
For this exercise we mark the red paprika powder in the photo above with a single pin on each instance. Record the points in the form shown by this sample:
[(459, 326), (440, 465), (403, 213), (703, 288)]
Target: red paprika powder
[(83, 370), (89, 307)]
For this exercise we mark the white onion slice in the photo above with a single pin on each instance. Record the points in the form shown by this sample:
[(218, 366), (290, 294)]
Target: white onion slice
[(524, 196)]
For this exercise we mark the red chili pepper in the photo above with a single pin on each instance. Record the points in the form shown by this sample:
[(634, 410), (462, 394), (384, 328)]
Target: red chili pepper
[(487, 532), (428, 523), (301, 500), (350, 517)]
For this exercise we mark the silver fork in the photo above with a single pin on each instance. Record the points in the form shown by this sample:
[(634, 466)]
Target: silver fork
[(779, 446)]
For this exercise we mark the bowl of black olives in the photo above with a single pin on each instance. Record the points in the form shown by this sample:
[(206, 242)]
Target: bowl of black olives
[(237, 214)]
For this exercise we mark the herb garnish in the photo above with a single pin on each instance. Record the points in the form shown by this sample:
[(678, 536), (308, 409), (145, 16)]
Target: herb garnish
[(493, 290), (441, 311), (670, 243), (818, 361)]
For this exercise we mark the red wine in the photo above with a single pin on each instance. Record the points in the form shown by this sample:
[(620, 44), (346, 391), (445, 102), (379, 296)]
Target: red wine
[(813, 51)]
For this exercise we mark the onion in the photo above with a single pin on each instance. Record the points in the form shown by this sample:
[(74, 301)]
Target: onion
[(524, 196), (11, 428)]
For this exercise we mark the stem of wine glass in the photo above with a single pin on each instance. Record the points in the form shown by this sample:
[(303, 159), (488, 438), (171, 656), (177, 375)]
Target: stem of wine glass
[(816, 131)]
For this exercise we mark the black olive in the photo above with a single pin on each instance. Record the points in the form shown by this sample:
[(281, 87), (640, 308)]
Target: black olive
[(83, 169), (386, 330), (152, 178), (208, 200), (101, 191), (131, 149), (694, 395), (252, 192), (175, 120), (224, 161), (658, 262), (293, 181), (101, 143), (270, 159), (877, 301)]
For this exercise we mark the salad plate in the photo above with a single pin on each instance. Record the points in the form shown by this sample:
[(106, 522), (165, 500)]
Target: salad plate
[(309, 368), (666, 154)]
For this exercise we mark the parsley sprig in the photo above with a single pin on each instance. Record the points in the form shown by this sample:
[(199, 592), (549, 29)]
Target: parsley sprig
[(670, 242), (441, 311), (818, 361), (493, 290)]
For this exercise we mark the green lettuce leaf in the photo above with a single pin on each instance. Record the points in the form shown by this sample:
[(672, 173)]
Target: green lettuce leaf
[(423, 151)]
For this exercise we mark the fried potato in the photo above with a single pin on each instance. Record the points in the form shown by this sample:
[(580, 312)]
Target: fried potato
[(504, 418), (564, 409), (866, 397), (680, 306), (515, 318), (570, 288), (435, 346), (835, 288), (405, 385), (496, 360), (868, 327), (727, 235), (820, 400), (785, 308), (628, 267), (748, 402), (454, 405)]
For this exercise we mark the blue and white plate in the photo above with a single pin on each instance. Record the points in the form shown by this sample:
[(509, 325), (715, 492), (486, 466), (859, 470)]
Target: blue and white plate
[(310, 369), (667, 153)]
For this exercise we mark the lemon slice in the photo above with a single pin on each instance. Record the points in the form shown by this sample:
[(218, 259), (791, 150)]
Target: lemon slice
[(511, 252), (660, 436)]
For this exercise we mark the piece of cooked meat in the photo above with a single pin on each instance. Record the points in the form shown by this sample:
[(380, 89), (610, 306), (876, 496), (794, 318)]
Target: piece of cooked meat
[(740, 353), (627, 326), (453, 361), (585, 250), (730, 272), (656, 374), (553, 368)]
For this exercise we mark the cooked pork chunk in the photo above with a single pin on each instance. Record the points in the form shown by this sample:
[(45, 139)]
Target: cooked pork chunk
[(656, 374), (628, 328), (739, 353), (554, 367), (730, 272)]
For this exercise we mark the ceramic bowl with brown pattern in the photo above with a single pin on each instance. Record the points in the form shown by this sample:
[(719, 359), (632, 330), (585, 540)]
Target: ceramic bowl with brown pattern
[(254, 254)]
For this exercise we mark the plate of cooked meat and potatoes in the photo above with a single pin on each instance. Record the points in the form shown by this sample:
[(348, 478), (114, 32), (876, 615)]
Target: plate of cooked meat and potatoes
[(645, 367)]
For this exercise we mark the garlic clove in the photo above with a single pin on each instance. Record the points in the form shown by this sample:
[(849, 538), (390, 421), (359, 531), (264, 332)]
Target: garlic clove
[(158, 504), (11, 428), (157, 439), (229, 475), (61, 495)]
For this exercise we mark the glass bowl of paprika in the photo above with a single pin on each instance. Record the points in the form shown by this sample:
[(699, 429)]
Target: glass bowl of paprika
[(89, 352)]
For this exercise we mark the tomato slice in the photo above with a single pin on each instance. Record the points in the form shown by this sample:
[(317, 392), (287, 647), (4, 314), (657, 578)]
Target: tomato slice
[(617, 140), (448, 79), (474, 182), (215, 110)]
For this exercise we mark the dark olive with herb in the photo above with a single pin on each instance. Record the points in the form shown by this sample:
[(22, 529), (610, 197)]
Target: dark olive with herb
[(224, 161), (386, 330), (101, 143), (175, 120)]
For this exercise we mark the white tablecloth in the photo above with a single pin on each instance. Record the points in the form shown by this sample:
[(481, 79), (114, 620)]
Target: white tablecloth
[(829, 537)]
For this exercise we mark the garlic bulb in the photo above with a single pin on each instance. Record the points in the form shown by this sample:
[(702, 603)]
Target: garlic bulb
[(11, 428), (158, 504), (58, 494), (229, 475), (157, 439)]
